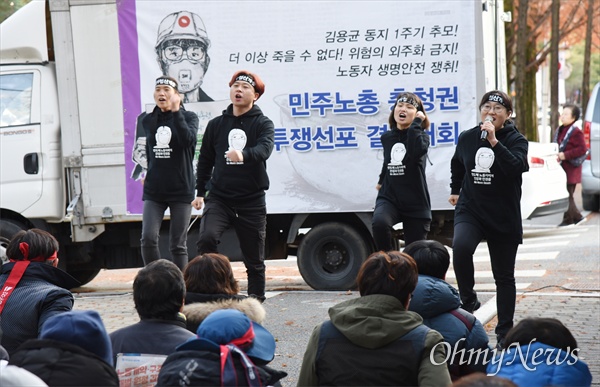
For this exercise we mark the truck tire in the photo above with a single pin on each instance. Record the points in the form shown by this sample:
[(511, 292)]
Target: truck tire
[(330, 255), (8, 229), (84, 275), (590, 202)]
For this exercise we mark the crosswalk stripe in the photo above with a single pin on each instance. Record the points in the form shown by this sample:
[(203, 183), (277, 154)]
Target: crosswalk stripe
[(488, 273), (490, 286)]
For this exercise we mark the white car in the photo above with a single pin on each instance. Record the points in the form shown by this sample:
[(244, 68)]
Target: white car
[(590, 173), (545, 185)]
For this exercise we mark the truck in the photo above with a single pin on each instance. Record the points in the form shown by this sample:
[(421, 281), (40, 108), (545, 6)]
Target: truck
[(75, 75)]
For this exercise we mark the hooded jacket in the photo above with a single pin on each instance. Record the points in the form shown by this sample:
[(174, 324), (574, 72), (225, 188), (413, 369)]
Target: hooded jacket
[(171, 139), (374, 341), (204, 304), (403, 182), (243, 183), (42, 292), (438, 303), (538, 364), (489, 181)]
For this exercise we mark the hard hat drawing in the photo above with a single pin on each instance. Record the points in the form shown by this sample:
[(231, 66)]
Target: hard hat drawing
[(182, 25)]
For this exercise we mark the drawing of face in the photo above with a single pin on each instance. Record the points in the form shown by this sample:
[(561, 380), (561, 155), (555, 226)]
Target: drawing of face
[(181, 49), (237, 139), (397, 154), (484, 159), (163, 137)]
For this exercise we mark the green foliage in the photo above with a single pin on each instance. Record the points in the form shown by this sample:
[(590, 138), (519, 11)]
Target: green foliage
[(8, 7)]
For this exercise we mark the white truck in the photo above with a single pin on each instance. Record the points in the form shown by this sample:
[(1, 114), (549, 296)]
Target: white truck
[(75, 74)]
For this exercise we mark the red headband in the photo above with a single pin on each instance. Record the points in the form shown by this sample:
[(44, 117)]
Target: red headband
[(24, 248)]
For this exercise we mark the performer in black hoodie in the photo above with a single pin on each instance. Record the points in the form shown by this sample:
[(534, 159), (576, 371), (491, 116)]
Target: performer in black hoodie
[(487, 169), (232, 177), (171, 136), (403, 195)]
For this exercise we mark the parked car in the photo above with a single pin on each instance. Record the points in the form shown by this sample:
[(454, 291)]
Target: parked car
[(545, 184), (590, 174)]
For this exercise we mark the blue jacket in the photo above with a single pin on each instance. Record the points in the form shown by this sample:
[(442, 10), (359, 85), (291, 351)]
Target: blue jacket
[(538, 364), (436, 301)]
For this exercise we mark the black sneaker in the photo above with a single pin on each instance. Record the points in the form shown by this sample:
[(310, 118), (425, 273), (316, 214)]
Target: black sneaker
[(563, 224), (471, 306), (580, 221), (500, 342)]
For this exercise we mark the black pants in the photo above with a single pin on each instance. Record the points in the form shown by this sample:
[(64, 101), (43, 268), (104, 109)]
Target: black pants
[(503, 255), (572, 215), (249, 224), (385, 216)]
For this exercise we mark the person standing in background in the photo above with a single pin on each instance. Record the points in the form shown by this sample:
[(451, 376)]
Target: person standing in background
[(403, 194), (570, 148), (171, 134), (232, 177), (486, 178)]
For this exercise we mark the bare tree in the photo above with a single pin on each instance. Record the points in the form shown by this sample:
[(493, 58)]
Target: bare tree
[(555, 37)]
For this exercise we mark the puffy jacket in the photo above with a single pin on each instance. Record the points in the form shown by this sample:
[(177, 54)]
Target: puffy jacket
[(373, 340), (439, 304), (62, 364), (538, 364)]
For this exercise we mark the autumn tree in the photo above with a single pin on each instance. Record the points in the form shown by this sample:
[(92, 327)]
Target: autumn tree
[(528, 46)]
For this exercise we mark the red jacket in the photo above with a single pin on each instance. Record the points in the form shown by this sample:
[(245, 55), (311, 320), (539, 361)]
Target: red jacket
[(575, 148)]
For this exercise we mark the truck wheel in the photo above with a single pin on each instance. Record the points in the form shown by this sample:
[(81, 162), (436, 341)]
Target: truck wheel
[(590, 202), (7, 230), (84, 275), (330, 255)]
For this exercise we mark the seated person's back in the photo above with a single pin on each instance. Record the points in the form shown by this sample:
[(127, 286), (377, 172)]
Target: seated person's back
[(439, 305), (158, 294), (34, 288), (374, 339)]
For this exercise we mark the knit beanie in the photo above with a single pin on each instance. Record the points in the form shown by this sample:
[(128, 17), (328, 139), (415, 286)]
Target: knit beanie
[(83, 328)]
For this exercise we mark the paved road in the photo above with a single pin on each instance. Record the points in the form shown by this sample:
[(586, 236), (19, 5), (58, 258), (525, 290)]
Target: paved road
[(557, 275)]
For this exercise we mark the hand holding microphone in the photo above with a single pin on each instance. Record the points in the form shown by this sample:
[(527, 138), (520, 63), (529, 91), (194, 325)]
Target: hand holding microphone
[(484, 133)]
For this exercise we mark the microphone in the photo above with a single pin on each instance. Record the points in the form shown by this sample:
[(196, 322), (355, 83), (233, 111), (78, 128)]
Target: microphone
[(484, 133)]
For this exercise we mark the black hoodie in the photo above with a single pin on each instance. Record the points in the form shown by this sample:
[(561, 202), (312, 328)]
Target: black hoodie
[(403, 182), (242, 183), (489, 180), (170, 175)]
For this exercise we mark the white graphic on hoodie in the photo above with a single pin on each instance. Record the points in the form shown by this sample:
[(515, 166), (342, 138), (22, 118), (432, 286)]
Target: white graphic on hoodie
[(163, 139), (397, 154), (484, 159), (237, 141)]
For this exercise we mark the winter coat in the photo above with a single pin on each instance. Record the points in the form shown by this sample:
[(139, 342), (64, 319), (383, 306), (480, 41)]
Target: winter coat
[(574, 148), (438, 303), (151, 336), (489, 181), (42, 292), (62, 364), (196, 312), (171, 139), (538, 364), (236, 183), (379, 341), (402, 178)]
